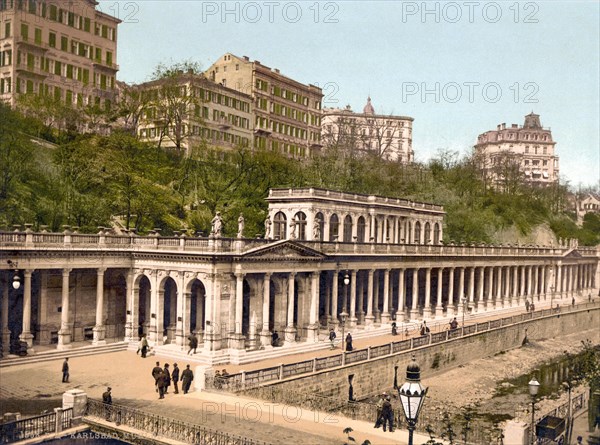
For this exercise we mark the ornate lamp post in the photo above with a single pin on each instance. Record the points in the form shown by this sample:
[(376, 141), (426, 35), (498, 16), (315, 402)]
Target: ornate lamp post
[(412, 395), (344, 314), (534, 387), (16, 283)]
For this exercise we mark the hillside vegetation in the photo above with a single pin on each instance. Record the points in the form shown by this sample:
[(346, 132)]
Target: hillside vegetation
[(89, 180)]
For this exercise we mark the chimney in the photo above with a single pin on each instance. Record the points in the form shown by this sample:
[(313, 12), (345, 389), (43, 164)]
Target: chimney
[(515, 126), (246, 58), (276, 70), (499, 127), (504, 126)]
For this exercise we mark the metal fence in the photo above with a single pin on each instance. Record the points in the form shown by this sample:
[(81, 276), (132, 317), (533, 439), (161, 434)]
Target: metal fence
[(153, 425), (36, 426)]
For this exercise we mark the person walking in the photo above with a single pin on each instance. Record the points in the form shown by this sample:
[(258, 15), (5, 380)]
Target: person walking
[(167, 377), (573, 301), (453, 324), (332, 338), (379, 406), (193, 343), (394, 328), (144, 346), (186, 379), (526, 305), (175, 377), (348, 342), (107, 400), (65, 371), (162, 384), (387, 414), (156, 373), (424, 328)]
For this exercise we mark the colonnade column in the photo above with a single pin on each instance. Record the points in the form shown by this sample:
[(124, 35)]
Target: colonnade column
[(450, 303), (99, 330), (506, 299), (543, 288), (535, 283), (529, 287), (334, 299), (491, 303), (237, 340), (132, 304), (515, 296), (401, 296), (5, 330), (480, 294), (427, 306), (461, 289), (26, 334), (385, 315), (290, 330), (353, 319), (370, 318), (439, 308), (182, 310), (499, 295), (265, 333), (64, 334), (313, 315), (414, 306), (471, 285)]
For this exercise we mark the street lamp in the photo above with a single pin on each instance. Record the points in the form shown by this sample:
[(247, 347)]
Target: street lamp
[(16, 283), (344, 314), (412, 395), (534, 387)]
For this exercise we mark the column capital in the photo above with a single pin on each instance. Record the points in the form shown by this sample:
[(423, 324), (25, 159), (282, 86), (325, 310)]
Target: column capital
[(28, 272), (66, 271), (100, 270)]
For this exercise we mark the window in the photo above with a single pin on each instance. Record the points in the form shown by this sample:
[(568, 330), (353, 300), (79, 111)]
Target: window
[(64, 43), (334, 227), (52, 40), (24, 31), (417, 239), (279, 226), (109, 58), (7, 29), (348, 229)]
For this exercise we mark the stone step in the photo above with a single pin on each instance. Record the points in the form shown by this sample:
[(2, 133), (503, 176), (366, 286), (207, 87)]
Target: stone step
[(44, 356)]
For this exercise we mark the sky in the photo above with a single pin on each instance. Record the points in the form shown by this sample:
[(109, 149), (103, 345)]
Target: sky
[(458, 68)]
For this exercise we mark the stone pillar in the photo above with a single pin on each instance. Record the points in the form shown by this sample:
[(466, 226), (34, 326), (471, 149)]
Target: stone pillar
[(353, 319), (471, 285), (183, 305), (26, 334), (132, 317), (427, 307), (414, 307), (265, 333), (439, 308), (506, 300), (370, 318), (99, 330), (64, 334), (401, 296), (312, 334), (529, 278), (461, 288), (515, 297), (499, 294), (290, 330), (450, 303), (237, 339), (334, 299), (385, 315), (5, 330), (543, 287), (76, 399), (480, 287), (522, 286), (360, 312), (153, 327), (535, 281)]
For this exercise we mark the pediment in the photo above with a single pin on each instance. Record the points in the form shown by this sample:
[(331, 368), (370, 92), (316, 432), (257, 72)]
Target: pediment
[(573, 254), (284, 251)]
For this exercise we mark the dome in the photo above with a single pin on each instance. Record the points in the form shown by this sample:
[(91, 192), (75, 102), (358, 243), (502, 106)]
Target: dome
[(413, 371), (368, 109)]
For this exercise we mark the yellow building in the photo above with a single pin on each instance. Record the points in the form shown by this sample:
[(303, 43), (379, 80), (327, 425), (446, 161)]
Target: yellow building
[(286, 113), (64, 49)]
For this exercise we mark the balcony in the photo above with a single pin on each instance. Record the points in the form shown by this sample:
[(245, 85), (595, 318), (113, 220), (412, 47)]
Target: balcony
[(31, 70), (109, 67)]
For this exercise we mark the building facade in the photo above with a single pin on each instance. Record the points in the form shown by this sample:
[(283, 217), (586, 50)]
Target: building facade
[(234, 293), (189, 110), (518, 153), (388, 137), (63, 49), (287, 113)]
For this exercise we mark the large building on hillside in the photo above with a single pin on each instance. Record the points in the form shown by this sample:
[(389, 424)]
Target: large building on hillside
[(528, 152), (64, 49), (189, 110), (386, 136), (286, 114)]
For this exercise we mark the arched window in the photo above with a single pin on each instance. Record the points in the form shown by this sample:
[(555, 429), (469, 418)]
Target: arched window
[(436, 233), (409, 233), (334, 227), (417, 233), (348, 229), (300, 225), (427, 233), (389, 236), (321, 221), (360, 229), (279, 226)]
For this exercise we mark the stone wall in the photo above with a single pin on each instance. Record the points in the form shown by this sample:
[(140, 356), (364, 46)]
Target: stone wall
[(370, 378)]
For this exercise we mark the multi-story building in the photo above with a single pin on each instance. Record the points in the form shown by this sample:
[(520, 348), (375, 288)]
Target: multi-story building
[(386, 136), (189, 110), (64, 49), (287, 113), (526, 152)]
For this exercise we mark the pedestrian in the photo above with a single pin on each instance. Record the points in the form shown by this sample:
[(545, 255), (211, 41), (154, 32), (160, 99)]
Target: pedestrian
[(274, 339), (175, 377), (424, 328), (454, 324), (144, 346), (217, 381), (167, 377), (107, 400), (573, 301), (332, 338), (156, 373), (193, 343), (387, 414), (526, 305), (532, 306), (186, 379), (394, 329), (348, 342), (65, 371), (379, 406), (579, 440), (162, 384)]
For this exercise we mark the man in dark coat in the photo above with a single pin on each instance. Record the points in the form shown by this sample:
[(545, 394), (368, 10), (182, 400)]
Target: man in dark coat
[(175, 377), (387, 414), (65, 371), (107, 400), (193, 343), (155, 373), (162, 383), (348, 342), (167, 377), (186, 378)]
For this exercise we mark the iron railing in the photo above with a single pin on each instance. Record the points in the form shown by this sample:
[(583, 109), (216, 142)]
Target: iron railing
[(153, 425), (36, 426)]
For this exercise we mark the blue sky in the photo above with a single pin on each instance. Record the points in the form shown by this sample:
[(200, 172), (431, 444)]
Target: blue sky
[(457, 68)]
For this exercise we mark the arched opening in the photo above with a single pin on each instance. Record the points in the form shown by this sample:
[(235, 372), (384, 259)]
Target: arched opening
[(334, 227), (197, 305), (169, 313), (320, 221), (348, 229), (300, 218), (436, 233), (144, 288), (427, 233), (361, 227), (417, 233), (280, 226)]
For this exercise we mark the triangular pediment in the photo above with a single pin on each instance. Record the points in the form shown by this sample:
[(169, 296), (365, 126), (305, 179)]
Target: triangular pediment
[(573, 254), (284, 250)]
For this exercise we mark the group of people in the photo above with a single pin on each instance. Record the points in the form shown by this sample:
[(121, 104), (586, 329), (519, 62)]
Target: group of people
[(220, 378), (385, 413), (529, 306), (163, 378), (333, 336)]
